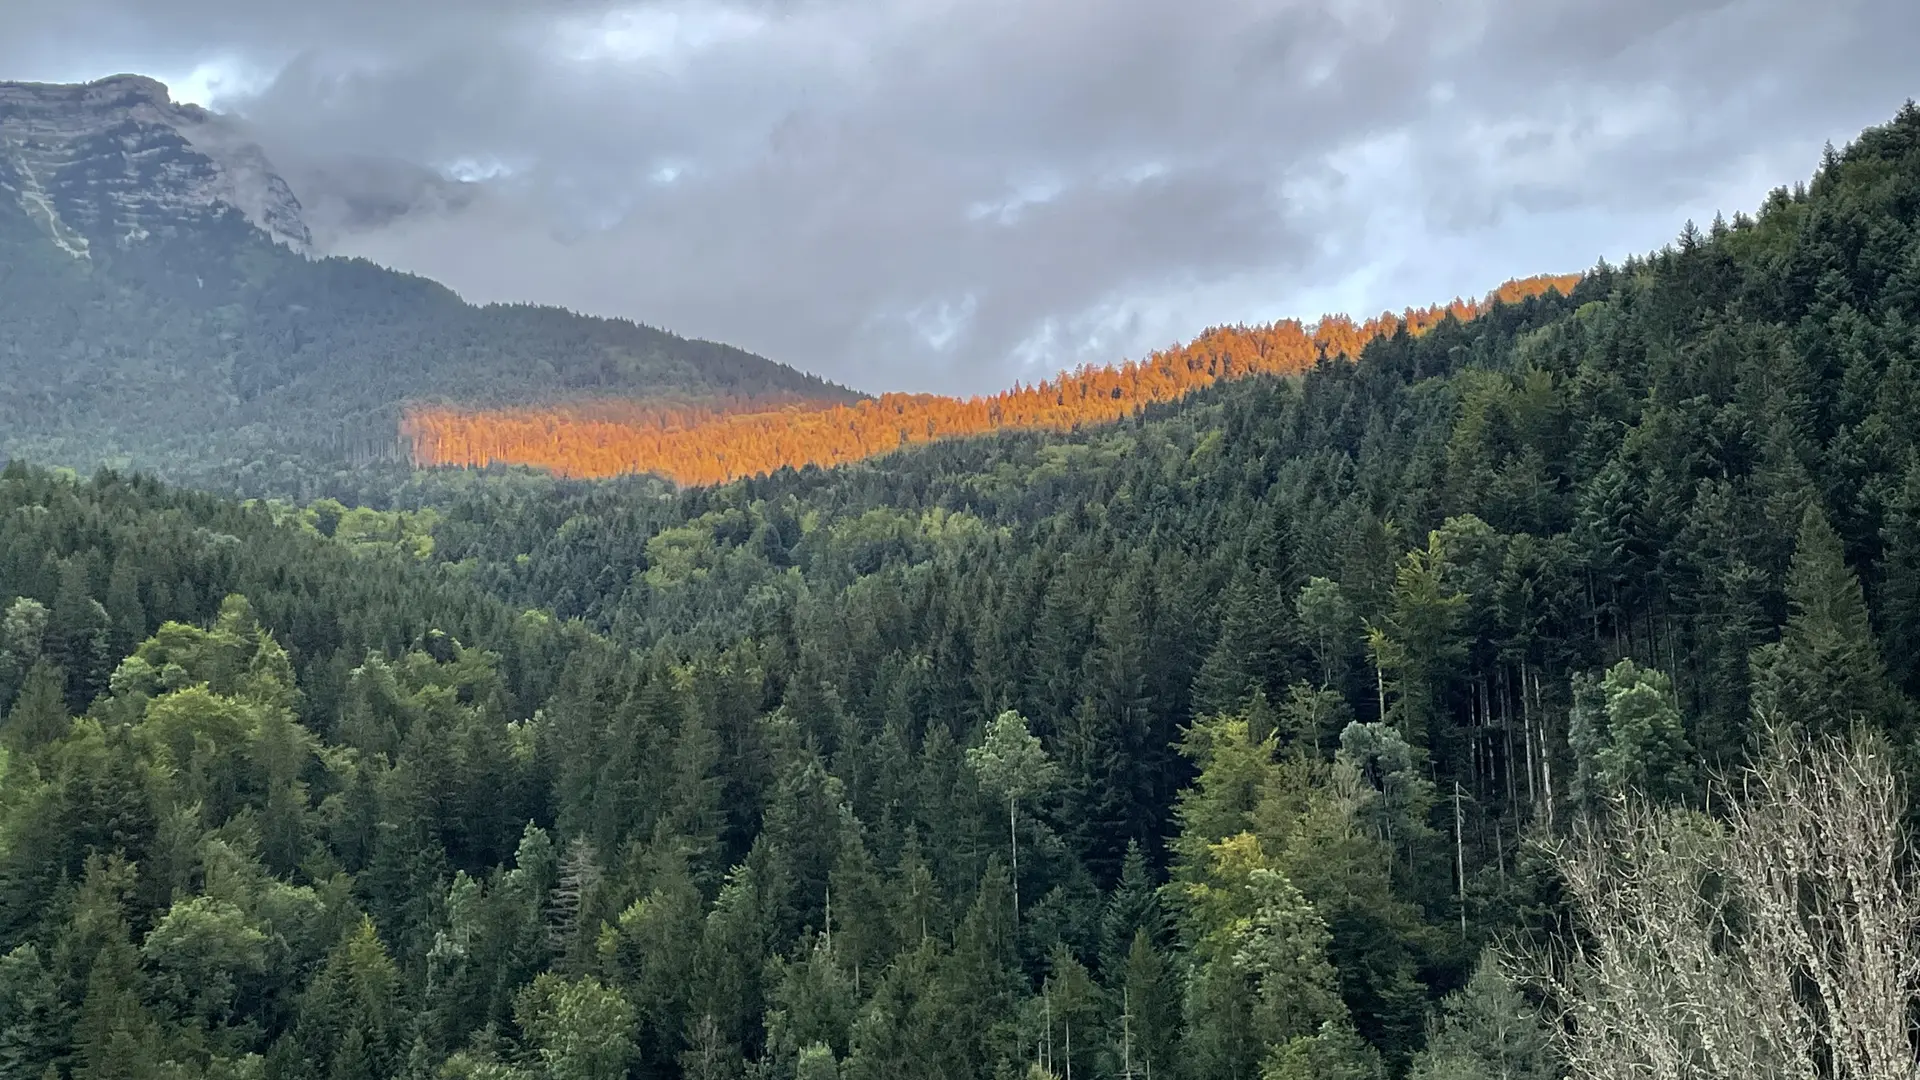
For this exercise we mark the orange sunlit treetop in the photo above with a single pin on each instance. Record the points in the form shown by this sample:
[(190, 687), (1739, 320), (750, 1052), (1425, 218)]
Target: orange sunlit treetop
[(716, 442)]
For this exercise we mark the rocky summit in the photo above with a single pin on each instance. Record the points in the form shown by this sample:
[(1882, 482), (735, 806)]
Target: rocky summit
[(117, 160)]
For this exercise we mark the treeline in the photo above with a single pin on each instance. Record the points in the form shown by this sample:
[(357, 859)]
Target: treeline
[(707, 446)]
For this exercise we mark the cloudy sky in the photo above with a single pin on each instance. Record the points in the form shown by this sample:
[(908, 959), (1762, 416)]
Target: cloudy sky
[(951, 194)]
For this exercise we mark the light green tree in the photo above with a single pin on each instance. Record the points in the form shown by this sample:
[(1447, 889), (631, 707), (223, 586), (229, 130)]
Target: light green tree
[(1013, 765), (23, 636), (200, 950), (583, 1029), (1282, 947), (816, 1062), (1627, 735), (1330, 625), (1262, 978), (1418, 644)]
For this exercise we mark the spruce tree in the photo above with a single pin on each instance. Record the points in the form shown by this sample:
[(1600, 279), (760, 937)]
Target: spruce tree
[(1487, 1032), (1825, 671), (39, 713)]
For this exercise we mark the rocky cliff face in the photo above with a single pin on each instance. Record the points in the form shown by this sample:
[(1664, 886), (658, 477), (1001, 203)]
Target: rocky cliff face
[(115, 161)]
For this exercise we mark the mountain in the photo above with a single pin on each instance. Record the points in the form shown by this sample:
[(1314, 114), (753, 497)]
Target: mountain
[(166, 310), (117, 161), (1304, 726)]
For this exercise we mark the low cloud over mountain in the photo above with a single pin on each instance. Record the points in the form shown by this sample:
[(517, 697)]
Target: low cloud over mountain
[(948, 195)]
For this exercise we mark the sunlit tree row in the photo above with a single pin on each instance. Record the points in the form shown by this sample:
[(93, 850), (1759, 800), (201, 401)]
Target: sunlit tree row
[(705, 444)]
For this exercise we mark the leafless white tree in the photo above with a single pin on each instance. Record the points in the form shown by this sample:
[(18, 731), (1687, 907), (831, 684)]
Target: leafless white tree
[(1774, 939)]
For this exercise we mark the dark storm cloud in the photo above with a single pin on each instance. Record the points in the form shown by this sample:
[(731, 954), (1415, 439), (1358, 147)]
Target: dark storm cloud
[(942, 193)]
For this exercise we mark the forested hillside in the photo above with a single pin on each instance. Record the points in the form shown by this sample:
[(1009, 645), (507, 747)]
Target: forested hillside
[(1217, 743), (213, 356), (709, 446)]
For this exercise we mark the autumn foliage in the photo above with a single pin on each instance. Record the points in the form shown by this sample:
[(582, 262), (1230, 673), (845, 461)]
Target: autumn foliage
[(715, 442)]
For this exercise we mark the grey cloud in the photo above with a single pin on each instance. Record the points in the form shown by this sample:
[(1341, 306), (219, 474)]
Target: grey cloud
[(934, 194)]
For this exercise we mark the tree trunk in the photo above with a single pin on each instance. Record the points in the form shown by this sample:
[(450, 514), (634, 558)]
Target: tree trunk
[(1459, 857), (1546, 750), (1526, 736), (1013, 835)]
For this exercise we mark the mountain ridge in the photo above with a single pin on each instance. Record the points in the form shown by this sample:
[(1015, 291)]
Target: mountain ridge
[(606, 439), (167, 312)]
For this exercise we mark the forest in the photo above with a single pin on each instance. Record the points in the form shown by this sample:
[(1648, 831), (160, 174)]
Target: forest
[(1527, 697), (703, 445)]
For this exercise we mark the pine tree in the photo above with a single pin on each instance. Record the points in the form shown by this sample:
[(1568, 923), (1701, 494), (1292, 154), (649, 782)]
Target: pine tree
[(653, 953), (40, 1017), (1335, 1052), (811, 1001), (350, 1022), (1825, 671), (806, 820), (79, 636), (1108, 752), (1418, 646), (1247, 654), (115, 1035), (1488, 1031), (915, 904), (695, 814), (39, 713), (1133, 908), (1149, 993), (123, 606), (1898, 597)]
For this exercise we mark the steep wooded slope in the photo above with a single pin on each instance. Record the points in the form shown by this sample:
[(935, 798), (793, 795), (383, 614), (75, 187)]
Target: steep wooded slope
[(707, 446)]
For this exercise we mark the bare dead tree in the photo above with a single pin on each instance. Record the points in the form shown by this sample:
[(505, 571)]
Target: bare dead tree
[(579, 877), (1776, 941)]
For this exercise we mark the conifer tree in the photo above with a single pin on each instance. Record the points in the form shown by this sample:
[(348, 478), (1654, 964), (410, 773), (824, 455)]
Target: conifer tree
[(39, 713), (1487, 1031), (1825, 671)]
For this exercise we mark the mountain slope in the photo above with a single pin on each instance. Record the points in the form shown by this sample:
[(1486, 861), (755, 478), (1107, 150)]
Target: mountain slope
[(161, 312), (712, 446)]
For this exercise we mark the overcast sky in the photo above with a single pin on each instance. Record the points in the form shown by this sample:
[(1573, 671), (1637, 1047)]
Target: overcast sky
[(950, 194)]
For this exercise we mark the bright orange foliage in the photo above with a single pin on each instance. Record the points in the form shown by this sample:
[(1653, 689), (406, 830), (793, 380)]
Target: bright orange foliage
[(706, 444)]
